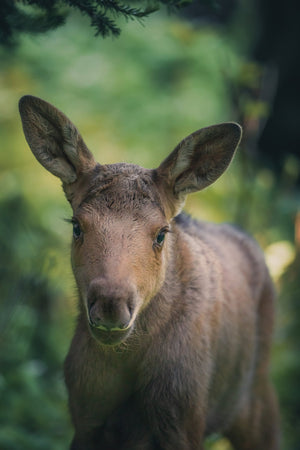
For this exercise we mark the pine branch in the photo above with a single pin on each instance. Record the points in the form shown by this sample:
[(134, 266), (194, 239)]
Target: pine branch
[(127, 11), (38, 16), (100, 11)]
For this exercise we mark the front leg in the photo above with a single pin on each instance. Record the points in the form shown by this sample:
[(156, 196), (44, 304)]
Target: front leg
[(124, 429), (175, 429), (175, 412)]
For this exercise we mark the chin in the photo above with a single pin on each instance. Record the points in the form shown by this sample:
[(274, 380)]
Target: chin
[(110, 338)]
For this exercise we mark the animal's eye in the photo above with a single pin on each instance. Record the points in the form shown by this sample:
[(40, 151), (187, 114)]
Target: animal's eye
[(161, 236), (76, 230)]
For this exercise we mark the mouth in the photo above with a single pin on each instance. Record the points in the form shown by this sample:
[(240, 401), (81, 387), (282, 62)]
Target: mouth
[(110, 337)]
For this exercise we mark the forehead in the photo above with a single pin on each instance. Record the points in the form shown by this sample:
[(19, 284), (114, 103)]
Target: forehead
[(122, 188)]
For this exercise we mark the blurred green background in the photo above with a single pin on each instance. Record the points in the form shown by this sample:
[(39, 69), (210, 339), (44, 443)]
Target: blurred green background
[(133, 99)]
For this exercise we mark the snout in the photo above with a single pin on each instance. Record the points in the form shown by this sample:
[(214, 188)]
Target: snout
[(111, 310)]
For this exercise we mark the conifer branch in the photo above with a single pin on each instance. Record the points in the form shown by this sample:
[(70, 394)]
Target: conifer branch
[(37, 16)]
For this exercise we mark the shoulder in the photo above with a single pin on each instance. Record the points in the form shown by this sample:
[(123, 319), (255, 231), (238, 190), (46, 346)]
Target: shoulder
[(224, 238)]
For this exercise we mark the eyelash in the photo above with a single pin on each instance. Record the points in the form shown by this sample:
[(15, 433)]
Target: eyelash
[(158, 243), (77, 232), (76, 226), (160, 237)]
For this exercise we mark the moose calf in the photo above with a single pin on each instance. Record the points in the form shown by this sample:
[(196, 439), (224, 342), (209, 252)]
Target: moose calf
[(175, 316)]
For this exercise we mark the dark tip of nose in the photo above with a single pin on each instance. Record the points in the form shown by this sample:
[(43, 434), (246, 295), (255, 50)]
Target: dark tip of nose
[(106, 323), (110, 309)]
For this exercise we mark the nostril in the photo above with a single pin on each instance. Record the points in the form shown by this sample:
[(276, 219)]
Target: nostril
[(91, 303), (130, 309), (131, 305), (94, 316)]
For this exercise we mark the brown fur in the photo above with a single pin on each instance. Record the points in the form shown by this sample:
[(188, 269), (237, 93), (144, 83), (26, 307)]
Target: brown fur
[(173, 338)]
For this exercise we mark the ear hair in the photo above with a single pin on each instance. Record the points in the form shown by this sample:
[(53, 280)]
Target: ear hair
[(199, 159), (54, 140)]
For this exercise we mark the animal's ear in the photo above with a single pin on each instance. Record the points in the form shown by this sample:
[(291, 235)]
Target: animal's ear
[(54, 140), (199, 159)]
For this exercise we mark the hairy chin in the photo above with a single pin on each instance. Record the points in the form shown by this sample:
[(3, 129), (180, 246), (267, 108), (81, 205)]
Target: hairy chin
[(110, 338)]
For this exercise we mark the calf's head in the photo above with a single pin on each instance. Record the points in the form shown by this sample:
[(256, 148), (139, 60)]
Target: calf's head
[(122, 213)]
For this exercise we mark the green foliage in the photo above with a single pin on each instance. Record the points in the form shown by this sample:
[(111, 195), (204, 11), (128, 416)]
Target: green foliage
[(33, 413), (133, 99), (287, 372), (39, 16)]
